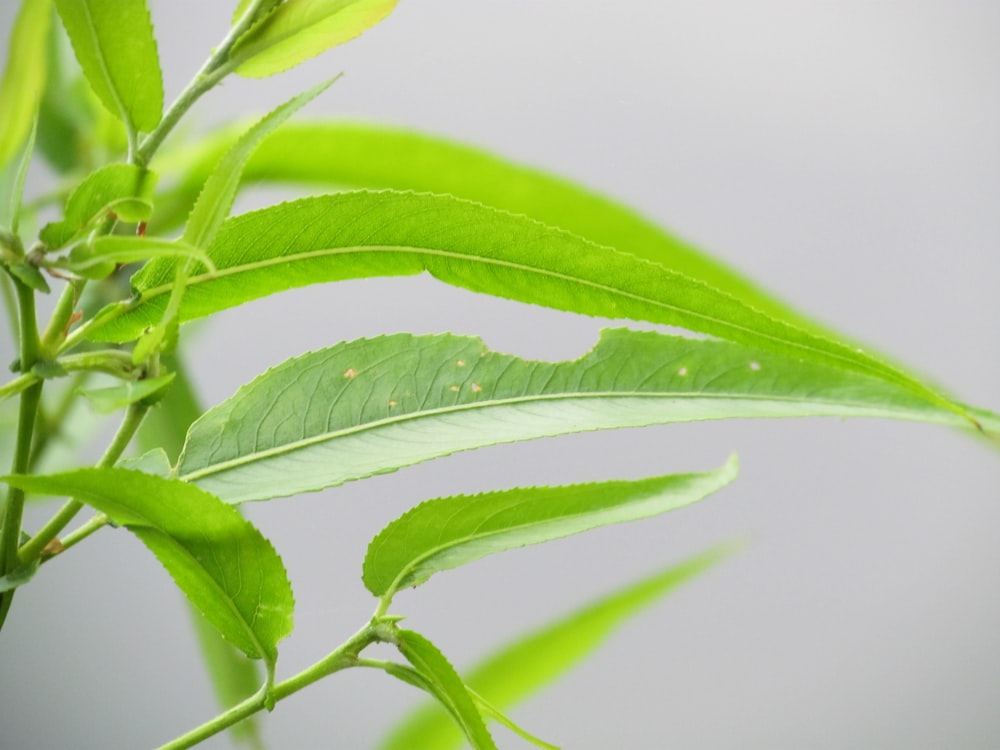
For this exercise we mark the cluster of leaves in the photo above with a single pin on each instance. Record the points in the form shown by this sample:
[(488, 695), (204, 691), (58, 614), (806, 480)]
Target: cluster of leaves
[(406, 204)]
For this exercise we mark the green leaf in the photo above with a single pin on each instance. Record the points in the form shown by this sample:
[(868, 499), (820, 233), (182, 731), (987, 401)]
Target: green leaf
[(448, 532), (225, 567), (23, 77), (122, 189), (12, 180), (98, 258), (375, 405), (447, 686), (29, 275), (108, 400), (300, 29), (113, 41), (363, 234), (520, 669), (19, 576), (361, 155), (219, 192)]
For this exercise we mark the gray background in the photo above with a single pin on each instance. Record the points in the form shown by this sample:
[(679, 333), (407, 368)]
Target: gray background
[(845, 153)]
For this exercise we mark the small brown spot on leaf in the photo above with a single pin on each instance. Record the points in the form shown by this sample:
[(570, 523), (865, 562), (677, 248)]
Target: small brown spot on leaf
[(350, 372), (476, 388)]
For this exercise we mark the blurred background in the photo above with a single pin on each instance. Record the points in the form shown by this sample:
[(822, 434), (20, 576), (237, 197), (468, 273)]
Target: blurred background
[(847, 156)]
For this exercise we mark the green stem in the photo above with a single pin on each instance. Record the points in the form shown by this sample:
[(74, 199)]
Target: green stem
[(345, 655), (217, 67), (130, 424), (13, 509), (17, 385), (56, 330), (96, 523)]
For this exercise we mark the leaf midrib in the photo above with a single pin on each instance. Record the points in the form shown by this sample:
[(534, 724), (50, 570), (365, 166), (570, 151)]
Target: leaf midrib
[(248, 458), (105, 71)]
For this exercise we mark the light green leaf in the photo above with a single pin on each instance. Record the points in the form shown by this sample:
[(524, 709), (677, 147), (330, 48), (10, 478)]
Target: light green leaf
[(363, 234), (448, 532), (99, 257), (120, 188), (225, 567), (23, 77), (360, 155), (29, 275), (108, 400), (300, 29), (113, 41), (375, 405), (520, 669), (217, 195), (446, 685), (12, 180)]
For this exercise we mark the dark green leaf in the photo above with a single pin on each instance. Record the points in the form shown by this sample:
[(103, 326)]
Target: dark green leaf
[(227, 569), (113, 41), (359, 155), (29, 275), (446, 685), (448, 532), (300, 29), (373, 406), (359, 235), (520, 669), (23, 77)]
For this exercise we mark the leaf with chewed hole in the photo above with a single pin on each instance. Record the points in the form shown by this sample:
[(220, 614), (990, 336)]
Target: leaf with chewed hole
[(375, 405), (468, 245), (221, 562), (449, 532)]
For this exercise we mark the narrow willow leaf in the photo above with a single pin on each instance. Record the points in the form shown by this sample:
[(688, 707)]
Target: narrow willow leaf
[(520, 669), (363, 234), (12, 181), (113, 41), (99, 257), (449, 532), (360, 155), (23, 77), (219, 192), (300, 29), (108, 400), (225, 567), (375, 405), (234, 677), (123, 189), (447, 686), (29, 275)]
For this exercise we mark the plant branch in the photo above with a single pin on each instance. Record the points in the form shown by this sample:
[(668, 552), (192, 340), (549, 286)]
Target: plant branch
[(344, 656), (217, 67), (13, 509)]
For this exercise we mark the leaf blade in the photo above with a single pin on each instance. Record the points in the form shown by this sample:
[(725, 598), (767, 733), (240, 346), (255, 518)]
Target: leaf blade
[(355, 155), (113, 41), (23, 77), (300, 29), (448, 532), (205, 545), (471, 246), (447, 686), (517, 670), (376, 405)]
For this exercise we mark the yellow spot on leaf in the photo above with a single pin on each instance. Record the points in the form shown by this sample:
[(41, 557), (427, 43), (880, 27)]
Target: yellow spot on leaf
[(350, 372), (476, 388)]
